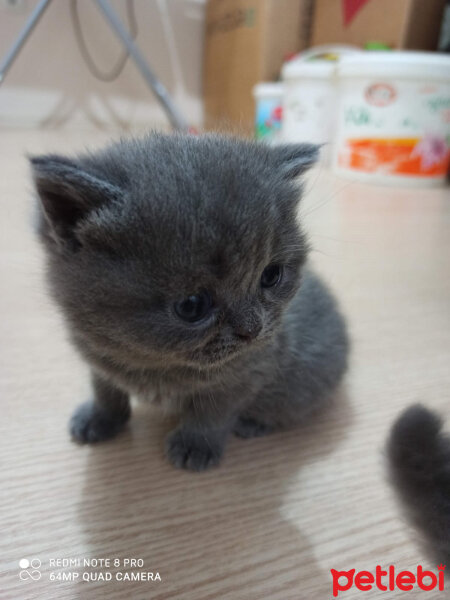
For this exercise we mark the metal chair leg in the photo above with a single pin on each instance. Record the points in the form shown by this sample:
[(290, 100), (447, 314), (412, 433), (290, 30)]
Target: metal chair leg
[(175, 117), (12, 53), (158, 88)]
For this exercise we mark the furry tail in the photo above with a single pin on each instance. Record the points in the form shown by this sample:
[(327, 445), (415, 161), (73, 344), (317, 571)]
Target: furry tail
[(419, 457)]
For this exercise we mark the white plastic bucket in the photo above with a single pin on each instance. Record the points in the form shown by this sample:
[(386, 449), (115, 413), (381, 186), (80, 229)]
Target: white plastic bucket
[(308, 101), (394, 117), (309, 105), (268, 114)]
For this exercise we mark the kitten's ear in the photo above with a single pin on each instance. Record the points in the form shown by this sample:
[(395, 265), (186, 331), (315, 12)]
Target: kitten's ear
[(295, 159), (67, 194)]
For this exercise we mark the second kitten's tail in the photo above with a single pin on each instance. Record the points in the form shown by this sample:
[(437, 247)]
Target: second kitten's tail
[(419, 460)]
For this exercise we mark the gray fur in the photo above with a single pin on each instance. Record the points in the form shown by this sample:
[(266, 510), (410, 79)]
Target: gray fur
[(131, 230), (419, 460)]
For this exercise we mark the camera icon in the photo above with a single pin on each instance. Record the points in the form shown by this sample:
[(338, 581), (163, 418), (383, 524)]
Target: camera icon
[(30, 569)]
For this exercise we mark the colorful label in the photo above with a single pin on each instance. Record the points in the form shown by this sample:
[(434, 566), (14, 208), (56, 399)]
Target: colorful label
[(380, 94), (395, 129), (428, 156), (269, 115)]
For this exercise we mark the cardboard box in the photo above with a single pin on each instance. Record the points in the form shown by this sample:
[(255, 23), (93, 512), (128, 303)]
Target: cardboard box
[(407, 24), (246, 42)]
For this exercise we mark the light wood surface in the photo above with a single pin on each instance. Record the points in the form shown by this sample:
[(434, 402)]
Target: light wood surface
[(281, 511)]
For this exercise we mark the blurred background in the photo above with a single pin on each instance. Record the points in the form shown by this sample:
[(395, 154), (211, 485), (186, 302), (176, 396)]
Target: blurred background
[(370, 79), (52, 82)]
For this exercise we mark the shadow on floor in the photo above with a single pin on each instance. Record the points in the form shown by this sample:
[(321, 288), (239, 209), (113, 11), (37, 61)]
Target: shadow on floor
[(218, 534)]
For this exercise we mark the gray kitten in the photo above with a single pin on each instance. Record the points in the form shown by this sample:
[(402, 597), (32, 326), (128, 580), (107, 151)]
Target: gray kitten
[(419, 461), (179, 264)]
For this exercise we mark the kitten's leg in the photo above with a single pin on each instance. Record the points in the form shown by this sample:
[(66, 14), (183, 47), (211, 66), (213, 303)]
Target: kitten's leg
[(199, 441), (103, 417), (195, 449), (249, 427), (277, 406)]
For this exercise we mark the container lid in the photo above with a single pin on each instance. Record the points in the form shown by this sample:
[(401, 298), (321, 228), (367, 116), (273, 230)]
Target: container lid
[(318, 61), (268, 88), (327, 51), (380, 63), (317, 69)]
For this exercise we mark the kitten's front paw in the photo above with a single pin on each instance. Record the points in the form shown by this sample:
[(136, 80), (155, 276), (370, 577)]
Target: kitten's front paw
[(90, 423), (193, 450), (249, 428)]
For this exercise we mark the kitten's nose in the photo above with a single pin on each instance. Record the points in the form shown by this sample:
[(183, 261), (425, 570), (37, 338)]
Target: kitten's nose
[(245, 322), (248, 331)]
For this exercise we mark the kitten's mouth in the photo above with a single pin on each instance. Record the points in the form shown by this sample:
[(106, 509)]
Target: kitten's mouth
[(209, 360), (216, 354)]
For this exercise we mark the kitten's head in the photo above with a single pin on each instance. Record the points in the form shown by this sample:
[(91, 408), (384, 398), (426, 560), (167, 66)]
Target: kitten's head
[(174, 249)]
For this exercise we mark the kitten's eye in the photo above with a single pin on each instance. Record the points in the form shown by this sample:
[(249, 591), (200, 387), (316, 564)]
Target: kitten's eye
[(271, 276), (193, 308)]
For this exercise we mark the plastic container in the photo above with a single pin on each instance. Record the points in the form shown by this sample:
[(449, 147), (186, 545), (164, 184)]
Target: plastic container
[(268, 115), (394, 117), (309, 105), (308, 101)]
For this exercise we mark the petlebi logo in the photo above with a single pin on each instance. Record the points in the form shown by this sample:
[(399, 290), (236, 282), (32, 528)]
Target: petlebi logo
[(29, 569), (388, 580)]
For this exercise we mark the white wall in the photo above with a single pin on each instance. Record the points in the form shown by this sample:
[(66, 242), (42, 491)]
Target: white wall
[(49, 84)]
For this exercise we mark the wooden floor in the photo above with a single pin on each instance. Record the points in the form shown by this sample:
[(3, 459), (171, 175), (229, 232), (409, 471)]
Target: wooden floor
[(281, 511)]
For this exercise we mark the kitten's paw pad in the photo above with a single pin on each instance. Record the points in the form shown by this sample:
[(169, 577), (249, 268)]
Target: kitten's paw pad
[(90, 424), (192, 450), (249, 428)]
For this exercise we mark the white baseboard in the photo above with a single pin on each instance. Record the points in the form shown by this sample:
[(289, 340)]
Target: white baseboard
[(22, 107)]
